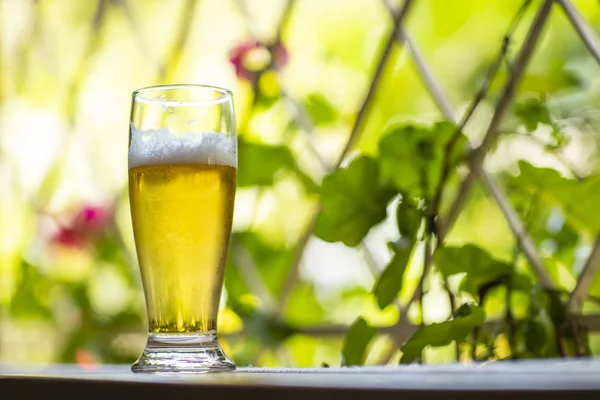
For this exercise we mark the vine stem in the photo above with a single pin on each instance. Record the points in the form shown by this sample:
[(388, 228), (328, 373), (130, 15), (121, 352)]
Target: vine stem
[(362, 112), (523, 239), (446, 108), (399, 332), (427, 254), (585, 279), (292, 276)]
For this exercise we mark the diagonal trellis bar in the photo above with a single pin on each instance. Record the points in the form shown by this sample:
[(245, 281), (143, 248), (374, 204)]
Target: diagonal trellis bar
[(592, 264), (495, 190), (478, 155), (585, 279), (512, 217), (583, 29)]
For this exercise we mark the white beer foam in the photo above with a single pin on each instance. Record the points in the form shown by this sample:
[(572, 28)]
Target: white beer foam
[(161, 146)]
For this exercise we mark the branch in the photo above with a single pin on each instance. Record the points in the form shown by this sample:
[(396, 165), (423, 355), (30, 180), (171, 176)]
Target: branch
[(478, 155), (398, 332), (306, 126), (251, 275), (433, 86), (592, 322), (585, 279), (427, 261), (583, 29), (518, 229), (362, 112)]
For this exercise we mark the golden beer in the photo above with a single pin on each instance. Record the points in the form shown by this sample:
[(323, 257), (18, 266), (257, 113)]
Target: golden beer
[(182, 215), (182, 161)]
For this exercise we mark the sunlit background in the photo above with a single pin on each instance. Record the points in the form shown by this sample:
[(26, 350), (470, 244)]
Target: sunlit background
[(69, 285)]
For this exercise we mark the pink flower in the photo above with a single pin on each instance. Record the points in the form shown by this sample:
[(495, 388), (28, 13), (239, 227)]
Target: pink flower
[(88, 223), (236, 58), (240, 54), (92, 218)]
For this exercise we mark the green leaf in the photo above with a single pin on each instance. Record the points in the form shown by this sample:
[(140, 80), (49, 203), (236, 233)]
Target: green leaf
[(479, 266), (577, 200), (260, 164), (320, 110), (467, 317), (411, 157), (408, 218), (391, 278), (357, 339), (532, 112), (352, 202)]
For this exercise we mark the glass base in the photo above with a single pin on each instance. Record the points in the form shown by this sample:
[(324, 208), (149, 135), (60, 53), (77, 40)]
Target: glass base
[(182, 353)]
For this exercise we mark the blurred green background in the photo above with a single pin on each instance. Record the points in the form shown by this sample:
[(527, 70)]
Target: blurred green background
[(69, 286)]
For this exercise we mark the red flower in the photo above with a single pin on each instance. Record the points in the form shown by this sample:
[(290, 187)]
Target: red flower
[(68, 237), (240, 54), (87, 224)]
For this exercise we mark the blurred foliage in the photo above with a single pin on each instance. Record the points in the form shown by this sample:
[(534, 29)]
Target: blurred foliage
[(69, 285)]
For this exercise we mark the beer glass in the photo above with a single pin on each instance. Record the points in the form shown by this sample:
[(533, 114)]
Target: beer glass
[(182, 179)]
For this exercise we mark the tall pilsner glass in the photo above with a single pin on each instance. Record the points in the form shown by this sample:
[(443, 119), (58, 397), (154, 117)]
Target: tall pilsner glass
[(182, 179)]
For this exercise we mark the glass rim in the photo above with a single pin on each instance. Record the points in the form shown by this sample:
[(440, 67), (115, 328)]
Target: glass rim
[(225, 95)]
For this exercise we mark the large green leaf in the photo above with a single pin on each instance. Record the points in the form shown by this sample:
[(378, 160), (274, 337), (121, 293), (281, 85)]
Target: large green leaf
[(260, 164), (479, 266), (390, 281), (356, 342), (467, 317), (411, 157), (352, 202)]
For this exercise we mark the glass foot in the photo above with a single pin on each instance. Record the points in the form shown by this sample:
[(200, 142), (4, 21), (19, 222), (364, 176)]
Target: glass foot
[(182, 353)]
